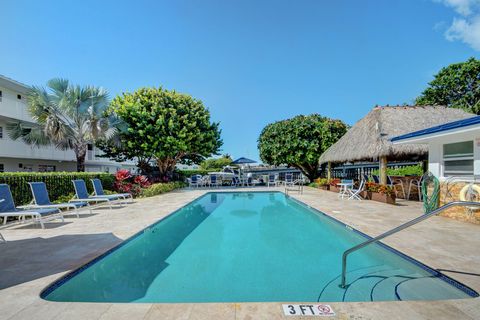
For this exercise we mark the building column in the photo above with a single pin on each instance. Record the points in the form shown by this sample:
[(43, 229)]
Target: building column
[(383, 170), (329, 170)]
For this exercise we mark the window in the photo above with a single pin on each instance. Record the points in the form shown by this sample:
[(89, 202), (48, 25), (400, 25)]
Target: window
[(1, 132), (46, 168), (2, 167), (458, 159), (1, 95), (19, 96)]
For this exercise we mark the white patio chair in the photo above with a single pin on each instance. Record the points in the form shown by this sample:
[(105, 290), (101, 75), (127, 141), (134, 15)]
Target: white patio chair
[(354, 194), (417, 183)]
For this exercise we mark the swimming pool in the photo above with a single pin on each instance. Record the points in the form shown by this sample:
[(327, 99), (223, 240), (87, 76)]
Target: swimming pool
[(250, 247)]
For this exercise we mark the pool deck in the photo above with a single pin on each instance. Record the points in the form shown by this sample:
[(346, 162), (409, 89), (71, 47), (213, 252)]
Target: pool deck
[(33, 258)]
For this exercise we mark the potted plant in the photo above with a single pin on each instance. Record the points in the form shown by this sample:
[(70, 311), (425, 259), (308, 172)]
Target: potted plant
[(377, 192), (322, 183), (333, 185)]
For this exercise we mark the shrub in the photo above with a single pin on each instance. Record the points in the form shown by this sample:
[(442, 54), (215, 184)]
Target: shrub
[(334, 182), (59, 184), (159, 188), (416, 170), (127, 183), (322, 181)]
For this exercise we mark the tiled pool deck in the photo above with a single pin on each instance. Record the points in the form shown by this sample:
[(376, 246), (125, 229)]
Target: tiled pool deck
[(32, 258)]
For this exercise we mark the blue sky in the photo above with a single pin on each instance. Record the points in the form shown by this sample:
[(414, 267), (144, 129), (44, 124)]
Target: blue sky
[(250, 62)]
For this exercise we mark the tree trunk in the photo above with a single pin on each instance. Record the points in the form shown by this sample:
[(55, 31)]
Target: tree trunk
[(329, 171), (310, 171), (80, 153), (166, 167)]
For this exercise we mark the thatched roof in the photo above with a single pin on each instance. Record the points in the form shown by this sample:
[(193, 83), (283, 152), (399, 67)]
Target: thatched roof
[(370, 137)]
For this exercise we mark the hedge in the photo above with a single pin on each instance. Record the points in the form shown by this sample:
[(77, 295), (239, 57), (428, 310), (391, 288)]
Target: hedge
[(416, 170), (59, 184), (159, 188)]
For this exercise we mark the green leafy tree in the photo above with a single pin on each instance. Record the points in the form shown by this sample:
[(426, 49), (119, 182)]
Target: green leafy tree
[(299, 142), (67, 116), (216, 163), (456, 86), (170, 126)]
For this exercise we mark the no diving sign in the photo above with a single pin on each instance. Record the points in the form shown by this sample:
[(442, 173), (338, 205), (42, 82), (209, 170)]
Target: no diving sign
[(321, 310)]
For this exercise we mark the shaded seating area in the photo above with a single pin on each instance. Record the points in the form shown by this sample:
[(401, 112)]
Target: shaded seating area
[(368, 140)]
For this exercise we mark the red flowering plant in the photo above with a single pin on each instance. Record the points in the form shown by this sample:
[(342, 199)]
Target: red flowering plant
[(334, 182), (125, 182)]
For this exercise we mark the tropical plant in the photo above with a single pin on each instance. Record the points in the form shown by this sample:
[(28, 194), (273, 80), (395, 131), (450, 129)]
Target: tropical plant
[(67, 116), (457, 86), (216, 163), (126, 182), (170, 126), (299, 142)]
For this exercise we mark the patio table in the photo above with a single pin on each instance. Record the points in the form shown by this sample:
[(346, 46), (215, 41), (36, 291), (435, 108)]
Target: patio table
[(343, 188)]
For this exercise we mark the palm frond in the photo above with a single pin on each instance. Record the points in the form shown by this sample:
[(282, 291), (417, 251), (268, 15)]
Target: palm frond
[(29, 133)]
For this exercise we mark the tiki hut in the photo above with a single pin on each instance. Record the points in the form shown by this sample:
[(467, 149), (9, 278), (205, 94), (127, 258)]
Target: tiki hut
[(369, 138)]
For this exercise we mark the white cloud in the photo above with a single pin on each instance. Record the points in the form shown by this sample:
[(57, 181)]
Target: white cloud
[(463, 7), (467, 27), (467, 31)]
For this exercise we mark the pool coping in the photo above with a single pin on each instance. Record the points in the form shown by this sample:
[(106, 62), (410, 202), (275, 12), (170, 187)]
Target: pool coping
[(63, 279)]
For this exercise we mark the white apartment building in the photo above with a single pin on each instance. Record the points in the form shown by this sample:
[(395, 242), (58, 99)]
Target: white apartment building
[(18, 156)]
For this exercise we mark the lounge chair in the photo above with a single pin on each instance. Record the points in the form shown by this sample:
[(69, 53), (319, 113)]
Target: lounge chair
[(99, 192), (354, 194), (42, 200), (40, 215), (375, 178), (81, 194)]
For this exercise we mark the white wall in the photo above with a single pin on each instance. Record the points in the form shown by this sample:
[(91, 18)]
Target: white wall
[(13, 164), (435, 150)]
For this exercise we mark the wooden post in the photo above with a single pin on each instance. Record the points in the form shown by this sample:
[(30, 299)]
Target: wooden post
[(383, 170), (329, 170)]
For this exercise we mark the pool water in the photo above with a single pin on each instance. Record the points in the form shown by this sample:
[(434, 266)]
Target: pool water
[(250, 247)]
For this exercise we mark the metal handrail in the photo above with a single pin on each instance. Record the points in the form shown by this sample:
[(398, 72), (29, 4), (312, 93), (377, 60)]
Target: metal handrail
[(397, 229)]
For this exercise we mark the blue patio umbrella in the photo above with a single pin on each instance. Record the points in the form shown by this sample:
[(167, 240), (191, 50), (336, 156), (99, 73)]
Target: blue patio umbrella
[(243, 160)]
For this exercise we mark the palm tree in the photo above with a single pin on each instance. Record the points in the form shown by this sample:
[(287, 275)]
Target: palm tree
[(67, 116)]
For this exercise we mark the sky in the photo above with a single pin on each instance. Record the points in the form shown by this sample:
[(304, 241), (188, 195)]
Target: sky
[(251, 62)]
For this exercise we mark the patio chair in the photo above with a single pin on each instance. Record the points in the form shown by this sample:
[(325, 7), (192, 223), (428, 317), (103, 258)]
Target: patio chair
[(365, 178), (214, 181), (288, 179), (375, 178), (354, 194), (416, 183), (272, 180), (99, 192), (81, 195), (8, 209), (42, 200), (236, 181), (394, 183), (193, 181)]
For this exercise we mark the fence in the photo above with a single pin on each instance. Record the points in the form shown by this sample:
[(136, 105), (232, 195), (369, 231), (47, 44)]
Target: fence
[(59, 184), (355, 171)]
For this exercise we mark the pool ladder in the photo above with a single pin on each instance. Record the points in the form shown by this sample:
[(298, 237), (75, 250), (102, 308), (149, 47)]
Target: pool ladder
[(397, 229)]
